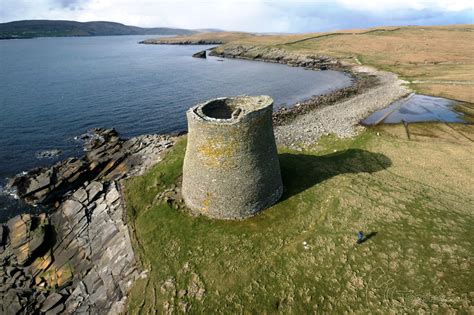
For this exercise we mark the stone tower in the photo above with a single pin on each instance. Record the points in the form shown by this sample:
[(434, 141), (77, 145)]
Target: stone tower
[(231, 168)]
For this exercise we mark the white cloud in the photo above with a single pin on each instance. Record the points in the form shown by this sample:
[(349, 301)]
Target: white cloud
[(387, 5), (245, 15)]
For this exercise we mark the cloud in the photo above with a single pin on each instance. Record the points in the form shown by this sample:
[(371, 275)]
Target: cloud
[(71, 4), (247, 15), (389, 5)]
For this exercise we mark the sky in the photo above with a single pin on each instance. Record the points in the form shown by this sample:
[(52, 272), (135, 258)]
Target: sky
[(279, 16)]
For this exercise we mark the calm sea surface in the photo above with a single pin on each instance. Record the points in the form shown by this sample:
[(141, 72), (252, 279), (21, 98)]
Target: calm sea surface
[(53, 89)]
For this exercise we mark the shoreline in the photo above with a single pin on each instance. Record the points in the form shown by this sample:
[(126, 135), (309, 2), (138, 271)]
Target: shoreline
[(284, 115), (297, 126), (342, 116), (88, 212), (339, 112), (78, 256)]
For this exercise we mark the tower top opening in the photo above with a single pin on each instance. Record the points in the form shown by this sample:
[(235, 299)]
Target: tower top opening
[(230, 109)]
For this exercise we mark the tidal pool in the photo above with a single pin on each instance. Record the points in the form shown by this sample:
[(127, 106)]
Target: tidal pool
[(417, 108)]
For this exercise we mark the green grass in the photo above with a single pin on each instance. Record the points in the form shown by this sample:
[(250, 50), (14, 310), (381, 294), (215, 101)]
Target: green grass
[(419, 259)]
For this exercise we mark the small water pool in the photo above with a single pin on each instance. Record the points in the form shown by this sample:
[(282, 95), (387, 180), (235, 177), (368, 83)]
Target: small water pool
[(417, 108)]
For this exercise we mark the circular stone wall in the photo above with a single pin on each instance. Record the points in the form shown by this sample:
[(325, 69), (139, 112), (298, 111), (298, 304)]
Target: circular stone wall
[(231, 168)]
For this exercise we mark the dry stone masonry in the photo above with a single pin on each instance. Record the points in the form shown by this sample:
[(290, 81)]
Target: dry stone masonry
[(231, 168)]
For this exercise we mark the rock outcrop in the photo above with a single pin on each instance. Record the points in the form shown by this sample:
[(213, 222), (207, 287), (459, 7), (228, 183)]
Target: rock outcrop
[(277, 55), (77, 258), (107, 157), (200, 54), (173, 41)]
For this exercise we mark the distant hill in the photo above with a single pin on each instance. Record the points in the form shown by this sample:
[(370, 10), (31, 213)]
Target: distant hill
[(55, 28), (209, 30)]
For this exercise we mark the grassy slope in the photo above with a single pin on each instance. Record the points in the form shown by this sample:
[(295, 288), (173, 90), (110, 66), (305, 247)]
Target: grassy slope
[(439, 58), (417, 196)]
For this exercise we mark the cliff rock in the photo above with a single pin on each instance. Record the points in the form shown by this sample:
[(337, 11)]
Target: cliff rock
[(77, 257)]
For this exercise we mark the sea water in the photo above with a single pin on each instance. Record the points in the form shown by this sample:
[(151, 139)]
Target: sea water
[(54, 89)]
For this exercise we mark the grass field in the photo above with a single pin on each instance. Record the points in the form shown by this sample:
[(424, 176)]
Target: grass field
[(438, 60), (414, 197), (410, 189)]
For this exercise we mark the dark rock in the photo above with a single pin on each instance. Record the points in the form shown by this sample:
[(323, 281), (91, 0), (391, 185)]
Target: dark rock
[(16, 274), (46, 185), (51, 301), (11, 270), (85, 239), (37, 239), (100, 137), (42, 185), (77, 298), (11, 303), (4, 287), (48, 154), (276, 55), (72, 208), (65, 292), (41, 298), (3, 235), (56, 310), (69, 171), (21, 280), (165, 41), (27, 235), (99, 297), (80, 195), (112, 196), (108, 157), (200, 54), (93, 189)]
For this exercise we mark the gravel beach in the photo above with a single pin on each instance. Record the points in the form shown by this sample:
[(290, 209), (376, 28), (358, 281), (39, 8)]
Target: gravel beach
[(342, 118)]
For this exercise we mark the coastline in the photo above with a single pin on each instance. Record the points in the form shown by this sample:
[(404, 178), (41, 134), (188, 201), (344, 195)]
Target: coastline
[(342, 116), (338, 112), (198, 42), (91, 209), (344, 197), (78, 256)]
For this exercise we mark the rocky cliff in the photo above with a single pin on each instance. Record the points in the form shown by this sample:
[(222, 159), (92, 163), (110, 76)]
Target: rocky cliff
[(78, 257), (277, 55)]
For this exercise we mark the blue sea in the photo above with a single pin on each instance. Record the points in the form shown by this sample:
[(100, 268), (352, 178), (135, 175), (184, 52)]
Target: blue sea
[(54, 89)]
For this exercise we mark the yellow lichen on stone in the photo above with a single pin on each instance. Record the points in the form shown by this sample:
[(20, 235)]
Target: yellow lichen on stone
[(231, 168), (206, 203), (56, 277), (217, 153)]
